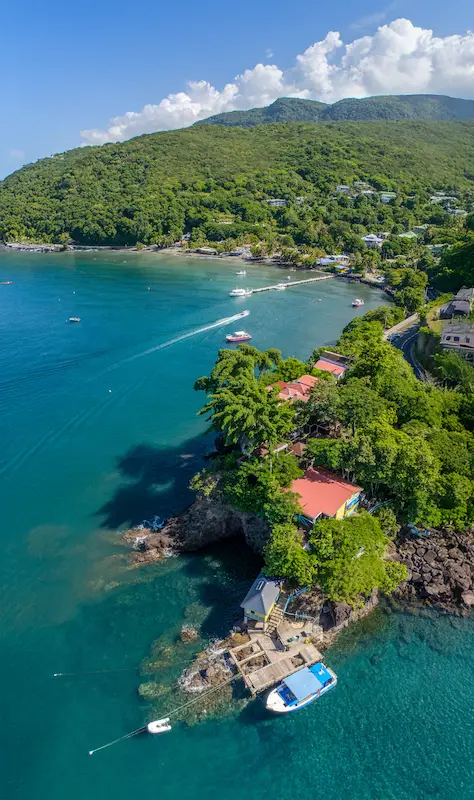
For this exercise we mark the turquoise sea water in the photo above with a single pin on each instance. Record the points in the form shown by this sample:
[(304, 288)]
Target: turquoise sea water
[(99, 432)]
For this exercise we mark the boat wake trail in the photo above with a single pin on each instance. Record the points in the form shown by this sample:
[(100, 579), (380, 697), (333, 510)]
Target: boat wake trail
[(216, 324)]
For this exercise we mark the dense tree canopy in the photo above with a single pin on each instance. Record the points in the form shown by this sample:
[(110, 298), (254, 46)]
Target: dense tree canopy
[(214, 182)]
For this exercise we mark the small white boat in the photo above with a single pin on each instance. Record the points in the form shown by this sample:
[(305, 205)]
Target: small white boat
[(288, 277), (240, 292), (242, 272), (159, 726), (301, 688), (74, 319), (238, 336), (280, 287), (357, 303)]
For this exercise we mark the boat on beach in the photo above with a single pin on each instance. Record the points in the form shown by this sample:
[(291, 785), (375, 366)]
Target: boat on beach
[(238, 336), (240, 292), (357, 303), (301, 688)]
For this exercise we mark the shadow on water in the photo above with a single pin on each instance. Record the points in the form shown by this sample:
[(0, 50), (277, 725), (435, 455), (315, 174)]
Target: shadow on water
[(156, 481), (222, 573)]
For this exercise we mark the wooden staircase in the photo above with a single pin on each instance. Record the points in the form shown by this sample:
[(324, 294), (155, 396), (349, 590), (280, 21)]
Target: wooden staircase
[(274, 620)]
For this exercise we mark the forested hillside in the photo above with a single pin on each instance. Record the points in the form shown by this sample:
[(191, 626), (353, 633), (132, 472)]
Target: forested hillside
[(214, 181), (390, 107)]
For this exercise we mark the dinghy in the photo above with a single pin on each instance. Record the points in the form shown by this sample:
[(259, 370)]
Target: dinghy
[(159, 726)]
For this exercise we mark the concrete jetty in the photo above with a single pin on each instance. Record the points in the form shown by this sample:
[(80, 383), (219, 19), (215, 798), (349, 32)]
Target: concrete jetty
[(278, 286)]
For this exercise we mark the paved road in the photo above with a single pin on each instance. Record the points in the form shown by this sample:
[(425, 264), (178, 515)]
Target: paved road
[(406, 343)]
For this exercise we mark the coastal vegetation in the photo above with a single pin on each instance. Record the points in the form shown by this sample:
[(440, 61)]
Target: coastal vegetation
[(406, 443), (214, 183)]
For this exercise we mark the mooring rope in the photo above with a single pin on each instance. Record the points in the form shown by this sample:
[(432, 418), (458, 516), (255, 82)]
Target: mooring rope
[(168, 714)]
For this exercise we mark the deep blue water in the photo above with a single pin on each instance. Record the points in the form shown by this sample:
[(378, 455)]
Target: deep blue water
[(98, 433)]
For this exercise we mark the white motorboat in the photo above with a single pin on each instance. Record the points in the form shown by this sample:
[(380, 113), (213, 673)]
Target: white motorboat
[(357, 303), (240, 292), (159, 726), (238, 336), (301, 688), (280, 287), (74, 319), (242, 272)]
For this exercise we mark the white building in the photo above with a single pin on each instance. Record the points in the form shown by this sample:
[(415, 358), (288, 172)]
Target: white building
[(372, 241), (458, 337), (387, 197), (277, 202)]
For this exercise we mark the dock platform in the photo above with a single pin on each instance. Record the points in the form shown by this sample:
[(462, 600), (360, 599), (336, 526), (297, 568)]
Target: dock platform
[(277, 286), (264, 661)]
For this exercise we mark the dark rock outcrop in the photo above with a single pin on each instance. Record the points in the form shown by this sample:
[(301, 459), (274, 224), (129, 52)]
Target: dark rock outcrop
[(206, 521), (440, 570)]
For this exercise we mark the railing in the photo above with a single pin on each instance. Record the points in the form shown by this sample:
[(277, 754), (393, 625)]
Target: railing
[(293, 595), (298, 616)]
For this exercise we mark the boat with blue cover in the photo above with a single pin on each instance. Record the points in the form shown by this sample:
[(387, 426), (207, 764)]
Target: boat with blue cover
[(301, 688)]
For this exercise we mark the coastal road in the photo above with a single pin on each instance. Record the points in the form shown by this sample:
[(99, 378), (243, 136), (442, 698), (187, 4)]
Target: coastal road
[(406, 343)]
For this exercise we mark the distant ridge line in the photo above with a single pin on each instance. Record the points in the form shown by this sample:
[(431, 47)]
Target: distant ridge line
[(384, 107)]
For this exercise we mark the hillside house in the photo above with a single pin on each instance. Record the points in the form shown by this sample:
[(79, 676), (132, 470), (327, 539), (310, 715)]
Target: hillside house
[(459, 306), (277, 202), (260, 599), (458, 337), (387, 197), (325, 494), (372, 241), (334, 363), (299, 389)]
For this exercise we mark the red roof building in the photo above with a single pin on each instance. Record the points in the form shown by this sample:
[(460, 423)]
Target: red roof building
[(327, 366), (325, 494), (299, 389)]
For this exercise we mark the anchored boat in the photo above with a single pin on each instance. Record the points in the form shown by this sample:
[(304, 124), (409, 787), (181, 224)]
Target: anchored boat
[(74, 319), (301, 688), (242, 272), (357, 303), (159, 726), (238, 336), (240, 292)]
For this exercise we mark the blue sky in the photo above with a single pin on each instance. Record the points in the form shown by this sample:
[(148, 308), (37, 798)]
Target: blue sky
[(75, 67)]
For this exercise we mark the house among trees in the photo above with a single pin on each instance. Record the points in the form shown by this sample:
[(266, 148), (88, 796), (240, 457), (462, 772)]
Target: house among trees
[(260, 599), (458, 337), (298, 389), (277, 202), (387, 197), (459, 306), (372, 241), (325, 494), (334, 363)]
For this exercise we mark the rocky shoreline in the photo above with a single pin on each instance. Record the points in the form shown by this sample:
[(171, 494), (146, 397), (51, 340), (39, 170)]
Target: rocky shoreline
[(440, 569)]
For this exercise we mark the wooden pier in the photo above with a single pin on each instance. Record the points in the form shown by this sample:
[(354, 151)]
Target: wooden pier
[(277, 286), (264, 661)]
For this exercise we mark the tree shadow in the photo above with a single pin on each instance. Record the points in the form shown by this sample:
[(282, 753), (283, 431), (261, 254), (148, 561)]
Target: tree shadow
[(156, 481), (237, 566)]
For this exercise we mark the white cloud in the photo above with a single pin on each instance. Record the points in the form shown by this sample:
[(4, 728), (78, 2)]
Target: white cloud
[(268, 53), (17, 154), (399, 58)]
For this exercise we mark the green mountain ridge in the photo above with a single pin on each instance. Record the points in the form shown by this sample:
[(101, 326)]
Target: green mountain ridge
[(388, 107), (215, 180)]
